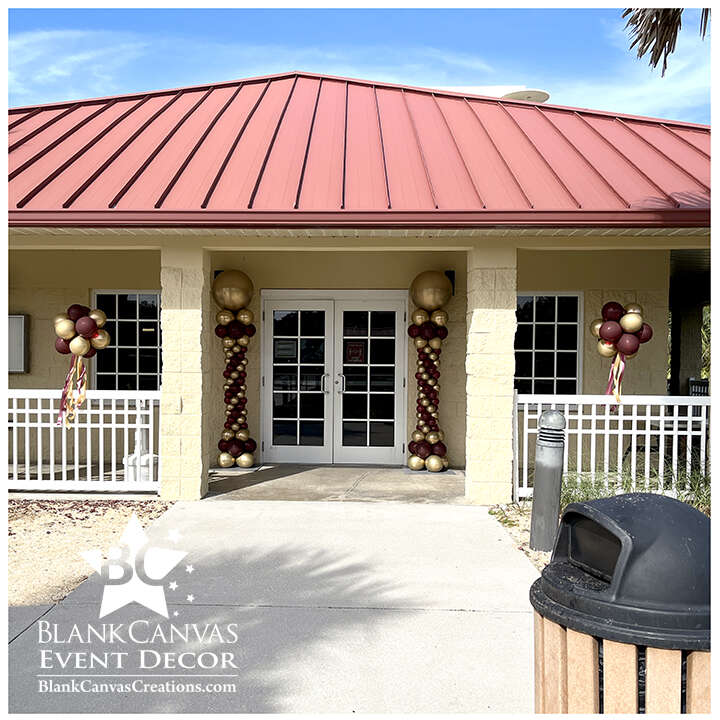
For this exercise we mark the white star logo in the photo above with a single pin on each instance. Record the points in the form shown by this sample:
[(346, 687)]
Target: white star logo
[(189, 568), (173, 585), (190, 598), (134, 572)]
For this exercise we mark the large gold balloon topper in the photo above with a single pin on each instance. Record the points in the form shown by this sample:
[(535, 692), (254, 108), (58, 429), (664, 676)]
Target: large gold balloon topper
[(232, 290), (431, 290)]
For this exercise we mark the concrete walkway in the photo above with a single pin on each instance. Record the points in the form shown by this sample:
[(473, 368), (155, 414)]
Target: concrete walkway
[(337, 606), (347, 483)]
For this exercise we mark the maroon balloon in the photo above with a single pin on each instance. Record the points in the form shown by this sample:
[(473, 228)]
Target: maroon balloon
[(423, 449), (235, 329), (250, 330), (86, 327), (628, 344), (236, 448), (439, 449), (221, 331), (223, 445), (427, 331), (75, 312), (413, 330), (250, 445), (441, 332), (411, 447), (645, 333), (92, 352), (62, 346), (611, 331), (612, 311)]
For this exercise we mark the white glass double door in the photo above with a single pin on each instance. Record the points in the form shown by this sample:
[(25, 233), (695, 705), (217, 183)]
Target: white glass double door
[(333, 379)]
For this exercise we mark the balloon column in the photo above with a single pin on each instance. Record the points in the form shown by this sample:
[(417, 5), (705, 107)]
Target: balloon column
[(620, 332), (80, 334), (429, 291), (232, 291)]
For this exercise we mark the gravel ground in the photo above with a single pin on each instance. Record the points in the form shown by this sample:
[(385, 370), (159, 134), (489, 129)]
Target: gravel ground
[(45, 538), (515, 518)]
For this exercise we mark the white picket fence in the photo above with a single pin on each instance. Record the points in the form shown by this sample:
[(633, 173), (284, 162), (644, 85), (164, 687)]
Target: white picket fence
[(111, 445), (651, 440)]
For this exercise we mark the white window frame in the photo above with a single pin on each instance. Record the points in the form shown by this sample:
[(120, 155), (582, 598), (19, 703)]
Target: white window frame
[(112, 291), (580, 295)]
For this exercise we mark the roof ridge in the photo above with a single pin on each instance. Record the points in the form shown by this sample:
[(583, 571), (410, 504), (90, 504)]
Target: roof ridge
[(357, 81)]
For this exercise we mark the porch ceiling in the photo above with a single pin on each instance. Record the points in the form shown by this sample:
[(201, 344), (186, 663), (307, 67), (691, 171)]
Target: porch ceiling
[(300, 150)]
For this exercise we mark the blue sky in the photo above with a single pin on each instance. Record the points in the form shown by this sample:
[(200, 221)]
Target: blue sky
[(579, 56)]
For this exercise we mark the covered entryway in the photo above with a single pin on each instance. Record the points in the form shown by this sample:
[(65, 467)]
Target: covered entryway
[(334, 376)]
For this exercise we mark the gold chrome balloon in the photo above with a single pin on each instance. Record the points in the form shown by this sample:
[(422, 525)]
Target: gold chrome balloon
[(431, 382), (235, 427), (228, 342), (419, 316), (434, 463), (630, 357), (431, 409), (433, 356), (227, 434), (441, 435), (417, 436), (225, 460), (631, 322), (246, 460), (435, 343), (242, 435), (433, 438), (98, 316), (634, 308), (245, 316), (79, 345), (439, 317), (425, 376), (415, 463), (235, 349), (595, 327), (65, 328), (232, 290), (425, 402), (427, 349), (425, 429), (234, 374), (419, 342), (224, 317), (101, 341), (436, 415), (446, 463), (59, 317), (244, 341), (606, 349), (430, 290)]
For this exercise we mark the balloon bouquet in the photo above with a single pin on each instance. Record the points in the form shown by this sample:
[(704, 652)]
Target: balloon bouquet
[(620, 332), (79, 332)]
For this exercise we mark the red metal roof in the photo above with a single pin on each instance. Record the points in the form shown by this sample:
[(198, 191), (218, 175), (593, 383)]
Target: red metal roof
[(302, 149)]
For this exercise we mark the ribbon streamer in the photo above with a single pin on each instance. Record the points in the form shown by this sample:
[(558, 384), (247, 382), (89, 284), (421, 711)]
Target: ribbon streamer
[(617, 372), (73, 397)]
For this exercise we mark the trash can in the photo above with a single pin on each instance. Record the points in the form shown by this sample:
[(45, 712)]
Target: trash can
[(622, 611)]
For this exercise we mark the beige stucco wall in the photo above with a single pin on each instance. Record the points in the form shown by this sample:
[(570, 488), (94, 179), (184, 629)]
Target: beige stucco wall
[(43, 283), (352, 271), (640, 276)]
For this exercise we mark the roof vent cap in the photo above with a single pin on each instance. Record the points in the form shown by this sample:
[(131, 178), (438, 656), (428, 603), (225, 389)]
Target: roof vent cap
[(528, 95)]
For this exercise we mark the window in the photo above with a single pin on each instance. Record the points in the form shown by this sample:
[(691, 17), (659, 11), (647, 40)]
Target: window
[(132, 360), (548, 343)]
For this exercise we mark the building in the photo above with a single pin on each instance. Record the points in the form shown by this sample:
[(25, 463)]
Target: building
[(332, 195)]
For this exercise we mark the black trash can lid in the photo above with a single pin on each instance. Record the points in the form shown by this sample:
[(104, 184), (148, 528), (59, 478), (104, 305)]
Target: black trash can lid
[(632, 568)]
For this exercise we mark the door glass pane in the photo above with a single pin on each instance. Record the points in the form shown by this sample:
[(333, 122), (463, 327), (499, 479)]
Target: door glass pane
[(354, 434), (284, 432), (382, 323), (285, 405), (284, 351), (312, 351), (311, 377), (284, 378), (355, 378), (355, 351), (382, 352), (312, 322), (567, 337), (285, 322), (127, 306), (382, 434), (382, 407), (312, 405), (355, 323), (148, 307), (127, 334), (148, 334), (544, 337), (311, 432), (382, 379), (354, 406)]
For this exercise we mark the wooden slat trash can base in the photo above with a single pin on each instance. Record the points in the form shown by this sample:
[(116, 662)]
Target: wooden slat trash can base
[(569, 678)]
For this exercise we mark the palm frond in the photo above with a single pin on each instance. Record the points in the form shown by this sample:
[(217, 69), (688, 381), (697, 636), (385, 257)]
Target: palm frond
[(655, 30)]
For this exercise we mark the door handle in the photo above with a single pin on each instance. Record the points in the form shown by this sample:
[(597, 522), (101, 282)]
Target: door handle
[(342, 383), (323, 383)]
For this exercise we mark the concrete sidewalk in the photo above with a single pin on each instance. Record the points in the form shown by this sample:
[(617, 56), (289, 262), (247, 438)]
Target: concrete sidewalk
[(346, 607)]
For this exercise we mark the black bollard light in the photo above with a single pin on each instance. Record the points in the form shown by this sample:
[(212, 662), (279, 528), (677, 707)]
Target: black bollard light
[(549, 451)]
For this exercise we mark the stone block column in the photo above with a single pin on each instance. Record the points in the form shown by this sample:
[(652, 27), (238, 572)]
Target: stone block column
[(490, 367), (185, 433)]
